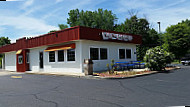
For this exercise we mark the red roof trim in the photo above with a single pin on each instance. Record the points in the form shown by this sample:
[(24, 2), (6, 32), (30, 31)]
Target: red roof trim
[(66, 35)]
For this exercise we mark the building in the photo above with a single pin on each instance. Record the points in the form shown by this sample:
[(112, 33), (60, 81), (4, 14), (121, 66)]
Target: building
[(65, 50)]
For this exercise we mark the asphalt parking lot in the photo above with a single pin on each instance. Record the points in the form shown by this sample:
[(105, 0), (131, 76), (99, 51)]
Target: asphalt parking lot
[(157, 90)]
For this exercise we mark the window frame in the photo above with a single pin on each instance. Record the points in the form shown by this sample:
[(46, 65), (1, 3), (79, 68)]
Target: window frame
[(67, 55), (54, 56), (100, 53), (126, 53), (99, 59), (63, 56)]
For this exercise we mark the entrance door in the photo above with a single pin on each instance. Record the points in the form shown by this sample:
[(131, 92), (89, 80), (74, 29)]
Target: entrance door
[(41, 60)]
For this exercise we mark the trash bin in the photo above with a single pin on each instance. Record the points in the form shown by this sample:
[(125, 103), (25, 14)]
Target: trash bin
[(88, 67)]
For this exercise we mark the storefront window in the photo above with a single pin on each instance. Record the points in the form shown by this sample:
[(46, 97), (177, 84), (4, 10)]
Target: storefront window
[(121, 53), (128, 53), (52, 56), (103, 53), (20, 59), (60, 55), (94, 53), (71, 55)]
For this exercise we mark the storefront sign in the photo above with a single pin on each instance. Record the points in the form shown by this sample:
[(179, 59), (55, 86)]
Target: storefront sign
[(113, 36)]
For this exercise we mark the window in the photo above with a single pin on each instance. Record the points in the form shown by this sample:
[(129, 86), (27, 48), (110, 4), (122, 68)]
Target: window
[(94, 53), (121, 53), (128, 53), (71, 55), (52, 56), (103, 53), (20, 59), (60, 55), (27, 57)]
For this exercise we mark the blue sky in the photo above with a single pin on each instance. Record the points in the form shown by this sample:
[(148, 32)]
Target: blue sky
[(19, 18)]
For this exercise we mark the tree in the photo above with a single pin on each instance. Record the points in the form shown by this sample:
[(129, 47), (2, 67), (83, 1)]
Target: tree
[(156, 58), (61, 27), (102, 19), (52, 31), (177, 39), (140, 26), (4, 41)]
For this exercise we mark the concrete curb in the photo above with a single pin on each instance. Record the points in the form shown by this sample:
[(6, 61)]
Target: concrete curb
[(55, 74), (132, 76), (90, 76)]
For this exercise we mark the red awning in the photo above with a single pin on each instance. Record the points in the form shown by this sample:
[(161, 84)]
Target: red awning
[(62, 47)]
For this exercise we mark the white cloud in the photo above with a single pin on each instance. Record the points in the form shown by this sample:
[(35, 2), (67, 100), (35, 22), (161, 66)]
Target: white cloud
[(73, 4), (26, 23), (170, 12), (57, 1), (27, 4)]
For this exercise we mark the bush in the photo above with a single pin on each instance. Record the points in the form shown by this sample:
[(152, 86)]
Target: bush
[(157, 58)]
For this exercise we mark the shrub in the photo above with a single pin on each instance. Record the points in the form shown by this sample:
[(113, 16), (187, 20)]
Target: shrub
[(157, 58)]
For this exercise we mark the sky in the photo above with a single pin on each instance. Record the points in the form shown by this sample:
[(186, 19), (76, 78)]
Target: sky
[(30, 18)]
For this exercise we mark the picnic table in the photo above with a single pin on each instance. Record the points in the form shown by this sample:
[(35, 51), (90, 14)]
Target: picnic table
[(128, 65), (138, 63)]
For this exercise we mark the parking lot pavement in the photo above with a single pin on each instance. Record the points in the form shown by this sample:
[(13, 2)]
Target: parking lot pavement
[(159, 90)]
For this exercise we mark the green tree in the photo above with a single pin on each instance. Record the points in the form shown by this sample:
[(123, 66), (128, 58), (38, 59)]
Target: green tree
[(4, 41), (102, 19), (140, 26), (52, 31), (177, 39), (156, 58), (62, 26)]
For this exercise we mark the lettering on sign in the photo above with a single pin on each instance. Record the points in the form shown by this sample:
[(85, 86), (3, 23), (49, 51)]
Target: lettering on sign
[(113, 36)]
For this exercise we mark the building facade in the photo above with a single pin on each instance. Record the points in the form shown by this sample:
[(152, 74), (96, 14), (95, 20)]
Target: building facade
[(65, 50)]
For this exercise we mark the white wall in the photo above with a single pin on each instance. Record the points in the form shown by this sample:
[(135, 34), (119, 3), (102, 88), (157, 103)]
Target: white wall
[(10, 61), (82, 52), (66, 66), (113, 52)]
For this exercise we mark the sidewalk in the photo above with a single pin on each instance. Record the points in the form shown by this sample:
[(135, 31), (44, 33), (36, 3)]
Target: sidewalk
[(55, 73), (5, 72)]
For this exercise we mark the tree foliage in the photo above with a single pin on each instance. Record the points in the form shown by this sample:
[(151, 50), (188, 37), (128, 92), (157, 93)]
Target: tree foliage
[(177, 39), (102, 19), (61, 27), (4, 41), (157, 58), (140, 26)]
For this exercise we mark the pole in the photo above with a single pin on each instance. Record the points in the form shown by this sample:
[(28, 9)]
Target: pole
[(159, 27)]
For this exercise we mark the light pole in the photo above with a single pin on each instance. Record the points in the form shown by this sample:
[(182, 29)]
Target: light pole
[(159, 27)]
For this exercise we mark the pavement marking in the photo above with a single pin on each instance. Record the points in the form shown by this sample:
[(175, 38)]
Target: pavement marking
[(16, 76)]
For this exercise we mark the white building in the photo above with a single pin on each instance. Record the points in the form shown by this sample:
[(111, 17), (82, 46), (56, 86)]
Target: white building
[(65, 50)]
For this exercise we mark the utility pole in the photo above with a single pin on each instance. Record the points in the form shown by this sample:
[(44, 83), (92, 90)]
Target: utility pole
[(159, 27)]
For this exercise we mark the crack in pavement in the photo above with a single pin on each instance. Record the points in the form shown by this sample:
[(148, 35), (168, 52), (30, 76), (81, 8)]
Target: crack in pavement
[(43, 100), (158, 92), (121, 84), (107, 102), (103, 101)]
